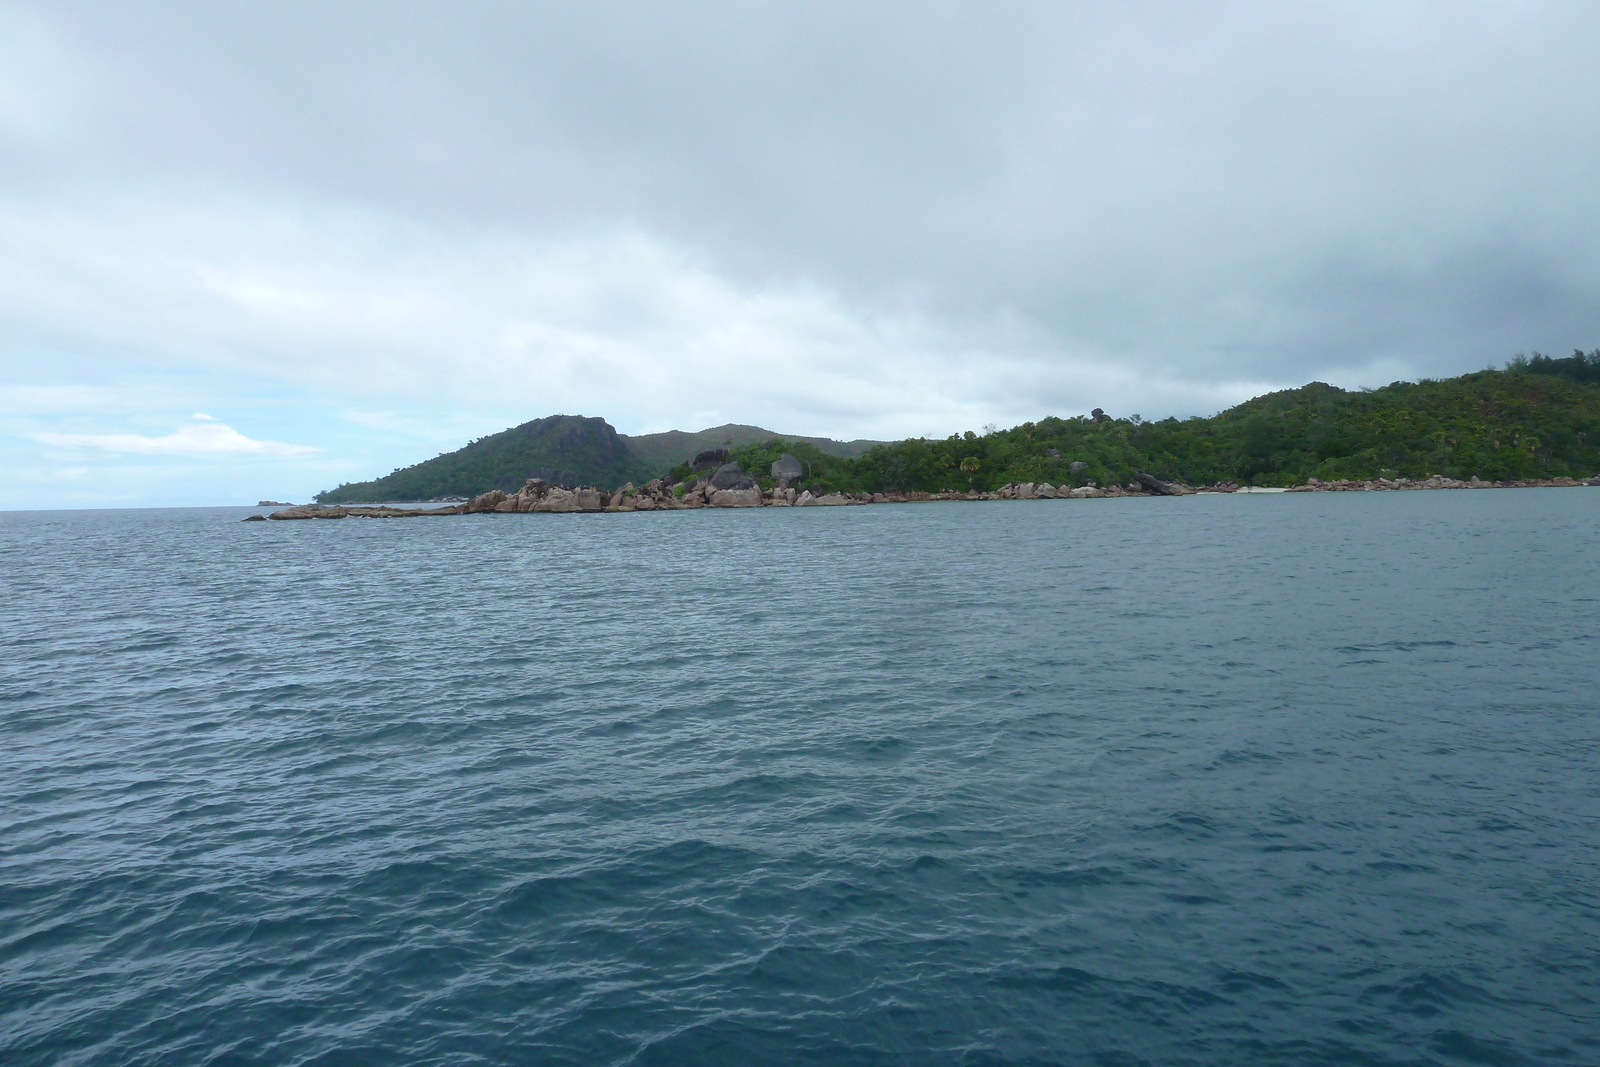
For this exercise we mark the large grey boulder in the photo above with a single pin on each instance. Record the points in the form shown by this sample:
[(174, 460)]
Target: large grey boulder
[(786, 468), (557, 499), (487, 501), (1159, 487), (736, 498), (711, 457), (732, 476)]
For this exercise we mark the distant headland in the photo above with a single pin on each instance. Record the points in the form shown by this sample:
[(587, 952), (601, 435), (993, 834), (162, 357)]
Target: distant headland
[(1534, 422)]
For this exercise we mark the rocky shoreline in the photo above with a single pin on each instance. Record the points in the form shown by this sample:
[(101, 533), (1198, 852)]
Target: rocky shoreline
[(1438, 481), (737, 489)]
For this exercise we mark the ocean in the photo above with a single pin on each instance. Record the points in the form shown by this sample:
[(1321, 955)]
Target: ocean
[(1218, 780)]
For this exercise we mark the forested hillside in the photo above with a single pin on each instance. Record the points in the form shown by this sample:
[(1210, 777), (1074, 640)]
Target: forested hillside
[(557, 448), (660, 451), (1538, 418), (1519, 423), (560, 448)]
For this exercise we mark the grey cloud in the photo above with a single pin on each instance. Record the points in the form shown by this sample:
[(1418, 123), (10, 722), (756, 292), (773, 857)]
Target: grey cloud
[(1188, 195)]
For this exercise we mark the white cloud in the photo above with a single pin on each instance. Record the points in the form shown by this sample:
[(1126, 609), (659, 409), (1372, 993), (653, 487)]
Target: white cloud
[(385, 229), (376, 310), (202, 439)]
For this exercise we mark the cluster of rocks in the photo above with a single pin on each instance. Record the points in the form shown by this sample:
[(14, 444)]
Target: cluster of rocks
[(1142, 485), (727, 487), (731, 487), (1438, 481)]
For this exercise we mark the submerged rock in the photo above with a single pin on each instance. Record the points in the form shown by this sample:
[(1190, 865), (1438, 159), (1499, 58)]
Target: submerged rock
[(311, 511)]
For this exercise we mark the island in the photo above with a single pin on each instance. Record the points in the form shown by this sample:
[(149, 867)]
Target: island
[(1533, 422)]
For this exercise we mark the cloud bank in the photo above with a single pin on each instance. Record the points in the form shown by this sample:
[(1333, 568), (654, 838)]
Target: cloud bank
[(202, 439), (384, 229)]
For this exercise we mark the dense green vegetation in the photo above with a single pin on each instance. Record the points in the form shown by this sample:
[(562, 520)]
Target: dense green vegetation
[(568, 448), (1538, 418), (589, 450), (660, 451), (822, 468), (1512, 424), (1577, 367)]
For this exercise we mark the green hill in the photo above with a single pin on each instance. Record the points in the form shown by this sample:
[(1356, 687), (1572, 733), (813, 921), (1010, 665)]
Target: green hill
[(665, 450), (1498, 425), (557, 448), (564, 448), (1538, 418)]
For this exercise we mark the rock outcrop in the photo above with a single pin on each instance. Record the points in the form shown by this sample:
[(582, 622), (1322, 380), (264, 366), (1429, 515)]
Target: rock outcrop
[(536, 495), (737, 489), (732, 476), (1438, 481), (786, 469), (1159, 487), (334, 511), (711, 457), (311, 511)]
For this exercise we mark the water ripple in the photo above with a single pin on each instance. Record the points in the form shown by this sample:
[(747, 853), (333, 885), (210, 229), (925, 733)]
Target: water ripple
[(1216, 781)]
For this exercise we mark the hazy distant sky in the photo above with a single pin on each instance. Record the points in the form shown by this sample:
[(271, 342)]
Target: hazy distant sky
[(258, 249)]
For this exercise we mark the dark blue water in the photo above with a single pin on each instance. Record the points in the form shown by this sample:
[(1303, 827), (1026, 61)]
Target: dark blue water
[(1215, 780)]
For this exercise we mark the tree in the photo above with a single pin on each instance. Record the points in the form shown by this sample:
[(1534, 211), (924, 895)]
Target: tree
[(969, 467)]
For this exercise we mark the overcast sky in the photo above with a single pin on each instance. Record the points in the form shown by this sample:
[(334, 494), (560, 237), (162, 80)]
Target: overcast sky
[(259, 249)]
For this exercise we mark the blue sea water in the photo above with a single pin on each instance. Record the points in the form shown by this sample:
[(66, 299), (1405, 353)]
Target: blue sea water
[(1305, 779)]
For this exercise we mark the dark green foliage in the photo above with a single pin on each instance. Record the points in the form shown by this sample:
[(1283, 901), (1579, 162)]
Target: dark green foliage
[(589, 448), (1539, 418), (823, 469), (1576, 367), (1495, 424), (661, 450)]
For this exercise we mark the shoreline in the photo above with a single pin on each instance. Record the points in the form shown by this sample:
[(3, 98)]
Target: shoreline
[(538, 496)]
